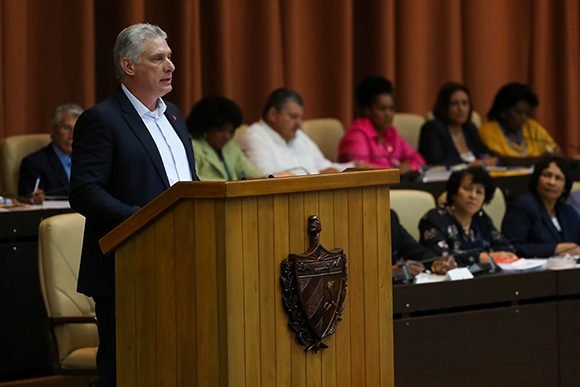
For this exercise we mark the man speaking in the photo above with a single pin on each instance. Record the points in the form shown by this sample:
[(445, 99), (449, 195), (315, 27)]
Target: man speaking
[(126, 151)]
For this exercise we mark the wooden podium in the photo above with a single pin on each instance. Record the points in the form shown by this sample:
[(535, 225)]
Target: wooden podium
[(198, 272)]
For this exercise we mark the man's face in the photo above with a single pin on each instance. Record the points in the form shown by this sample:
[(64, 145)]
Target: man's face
[(153, 74), (62, 134), (287, 121)]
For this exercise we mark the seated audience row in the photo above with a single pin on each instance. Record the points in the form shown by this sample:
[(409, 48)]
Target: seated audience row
[(537, 224), (509, 134), (277, 146)]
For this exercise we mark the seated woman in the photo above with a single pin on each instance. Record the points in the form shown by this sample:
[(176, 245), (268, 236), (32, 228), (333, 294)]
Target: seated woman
[(405, 251), (540, 223), (461, 228), (451, 138), (372, 138), (510, 132), (212, 123)]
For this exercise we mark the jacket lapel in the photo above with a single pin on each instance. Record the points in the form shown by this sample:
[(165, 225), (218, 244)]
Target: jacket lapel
[(140, 130), (548, 222), (57, 167)]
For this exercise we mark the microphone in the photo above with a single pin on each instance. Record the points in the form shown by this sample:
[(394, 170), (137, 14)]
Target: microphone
[(404, 276)]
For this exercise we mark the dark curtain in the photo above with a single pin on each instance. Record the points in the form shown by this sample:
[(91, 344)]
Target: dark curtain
[(56, 51)]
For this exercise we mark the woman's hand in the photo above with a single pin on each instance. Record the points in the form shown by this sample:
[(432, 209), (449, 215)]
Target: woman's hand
[(443, 265), (362, 164), (567, 248), (404, 167), (37, 197), (414, 267)]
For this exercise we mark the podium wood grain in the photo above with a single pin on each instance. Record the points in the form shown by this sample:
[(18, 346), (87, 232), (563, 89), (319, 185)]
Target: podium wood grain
[(198, 296)]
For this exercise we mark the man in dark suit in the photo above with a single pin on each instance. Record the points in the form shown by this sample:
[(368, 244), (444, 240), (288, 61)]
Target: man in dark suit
[(127, 150), (51, 164)]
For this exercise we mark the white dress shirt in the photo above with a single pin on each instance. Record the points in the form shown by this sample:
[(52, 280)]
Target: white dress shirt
[(168, 144), (271, 154)]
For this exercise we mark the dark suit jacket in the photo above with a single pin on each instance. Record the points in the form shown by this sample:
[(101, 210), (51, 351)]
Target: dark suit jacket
[(45, 164), (436, 145), (116, 169), (403, 246), (527, 224)]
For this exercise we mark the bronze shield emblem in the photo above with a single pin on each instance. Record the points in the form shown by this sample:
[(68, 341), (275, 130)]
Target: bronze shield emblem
[(313, 290)]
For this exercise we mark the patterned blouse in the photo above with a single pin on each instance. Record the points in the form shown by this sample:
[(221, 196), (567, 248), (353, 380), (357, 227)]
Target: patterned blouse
[(443, 234)]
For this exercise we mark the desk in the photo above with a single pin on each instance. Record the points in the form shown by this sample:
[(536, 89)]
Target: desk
[(24, 345), (503, 330)]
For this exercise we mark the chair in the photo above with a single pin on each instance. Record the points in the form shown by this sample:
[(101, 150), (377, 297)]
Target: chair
[(495, 209), (12, 150), (71, 315), (409, 126), (476, 119), (411, 205), (326, 133)]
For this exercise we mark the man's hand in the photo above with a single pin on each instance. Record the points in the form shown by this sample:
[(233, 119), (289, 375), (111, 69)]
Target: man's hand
[(37, 197)]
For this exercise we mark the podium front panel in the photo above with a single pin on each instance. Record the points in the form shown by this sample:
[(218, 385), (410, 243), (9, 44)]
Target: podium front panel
[(199, 300)]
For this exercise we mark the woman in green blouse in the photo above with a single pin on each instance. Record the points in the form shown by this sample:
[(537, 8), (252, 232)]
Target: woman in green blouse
[(212, 123)]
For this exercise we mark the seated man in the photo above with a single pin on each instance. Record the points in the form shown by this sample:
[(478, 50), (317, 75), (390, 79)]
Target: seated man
[(407, 253), (277, 146), (47, 171)]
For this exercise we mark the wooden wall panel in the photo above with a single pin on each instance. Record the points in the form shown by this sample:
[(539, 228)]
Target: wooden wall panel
[(251, 295), (326, 214), (186, 317), (343, 334), (165, 302), (356, 289), (235, 290), (284, 337), (204, 234), (269, 273), (145, 322), (126, 321), (297, 243)]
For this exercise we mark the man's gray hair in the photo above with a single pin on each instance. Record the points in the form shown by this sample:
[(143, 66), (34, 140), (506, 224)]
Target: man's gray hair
[(129, 44), (70, 109)]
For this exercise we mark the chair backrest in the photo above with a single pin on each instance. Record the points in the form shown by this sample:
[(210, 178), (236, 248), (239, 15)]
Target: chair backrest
[(326, 133), (411, 205), (476, 119), (409, 126), (71, 313), (495, 208), (12, 150)]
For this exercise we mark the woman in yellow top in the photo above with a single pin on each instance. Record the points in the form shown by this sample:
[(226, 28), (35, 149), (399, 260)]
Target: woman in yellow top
[(510, 132)]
